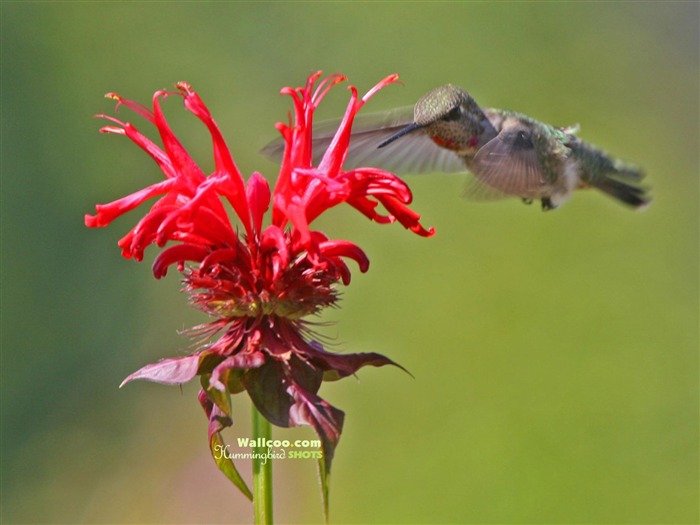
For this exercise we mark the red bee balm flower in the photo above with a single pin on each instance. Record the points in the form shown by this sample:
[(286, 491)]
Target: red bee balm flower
[(261, 284)]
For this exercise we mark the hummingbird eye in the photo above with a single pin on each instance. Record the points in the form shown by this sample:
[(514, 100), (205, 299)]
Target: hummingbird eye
[(454, 114)]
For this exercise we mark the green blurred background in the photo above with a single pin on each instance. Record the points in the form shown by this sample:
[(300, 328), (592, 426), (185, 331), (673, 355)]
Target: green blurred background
[(555, 355)]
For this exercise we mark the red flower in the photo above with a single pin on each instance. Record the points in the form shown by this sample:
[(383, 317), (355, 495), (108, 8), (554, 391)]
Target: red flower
[(260, 285)]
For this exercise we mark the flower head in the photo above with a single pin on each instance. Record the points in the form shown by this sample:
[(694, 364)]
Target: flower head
[(261, 284)]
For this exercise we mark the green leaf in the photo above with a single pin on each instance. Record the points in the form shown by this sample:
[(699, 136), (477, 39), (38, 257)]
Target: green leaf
[(216, 443), (218, 420)]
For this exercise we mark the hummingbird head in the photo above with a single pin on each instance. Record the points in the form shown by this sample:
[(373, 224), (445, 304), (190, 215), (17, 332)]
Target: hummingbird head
[(449, 116), (443, 103)]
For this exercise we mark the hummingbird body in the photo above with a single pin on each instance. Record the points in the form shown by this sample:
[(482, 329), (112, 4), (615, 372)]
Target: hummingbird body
[(522, 157), (509, 154)]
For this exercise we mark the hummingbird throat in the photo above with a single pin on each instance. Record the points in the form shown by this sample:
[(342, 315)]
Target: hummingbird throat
[(444, 142)]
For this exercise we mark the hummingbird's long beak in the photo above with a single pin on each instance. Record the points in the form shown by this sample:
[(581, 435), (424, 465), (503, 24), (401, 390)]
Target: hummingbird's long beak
[(411, 127)]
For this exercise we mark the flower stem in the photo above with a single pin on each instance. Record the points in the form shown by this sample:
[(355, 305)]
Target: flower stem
[(262, 471)]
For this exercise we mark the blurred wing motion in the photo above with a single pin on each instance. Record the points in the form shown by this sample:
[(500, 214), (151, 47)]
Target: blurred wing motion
[(507, 166), (413, 154)]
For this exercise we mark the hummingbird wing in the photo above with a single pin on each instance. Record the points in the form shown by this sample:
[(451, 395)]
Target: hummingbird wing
[(507, 165), (413, 154)]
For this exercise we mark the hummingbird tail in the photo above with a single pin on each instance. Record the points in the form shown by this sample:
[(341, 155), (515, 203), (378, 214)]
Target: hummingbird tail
[(625, 192), (611, 176)]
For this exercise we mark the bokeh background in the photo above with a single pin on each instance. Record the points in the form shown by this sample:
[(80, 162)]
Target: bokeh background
[(555, 355)]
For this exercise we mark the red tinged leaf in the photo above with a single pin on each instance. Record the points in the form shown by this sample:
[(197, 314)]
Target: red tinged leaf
[(238, 361), (172, 371), (338, 366), (267, 387), (327, 421)]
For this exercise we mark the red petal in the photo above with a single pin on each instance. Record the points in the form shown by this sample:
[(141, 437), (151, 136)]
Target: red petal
[(183, 164), (407, 217), (258, 194), (391, 79), (345, 249), (228, 255), (106, 213), (134, 106), (222, 156), (177, 254), (274, 241)]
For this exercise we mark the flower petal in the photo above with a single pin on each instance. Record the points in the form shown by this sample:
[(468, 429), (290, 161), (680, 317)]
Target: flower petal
[(222, 156), (345, 249), (405, 215), (176, 254), (258, 195), (181, 160), (106, 213)]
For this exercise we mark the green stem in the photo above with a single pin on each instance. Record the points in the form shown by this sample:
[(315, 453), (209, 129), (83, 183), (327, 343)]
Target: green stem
[(262, 471)]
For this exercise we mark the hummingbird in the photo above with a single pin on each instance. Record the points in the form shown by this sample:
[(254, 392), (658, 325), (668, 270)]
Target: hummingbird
[(508, 154)]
